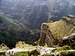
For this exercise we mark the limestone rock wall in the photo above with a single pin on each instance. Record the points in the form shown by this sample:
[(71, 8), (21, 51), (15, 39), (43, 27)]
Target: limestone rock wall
[(52, 33)]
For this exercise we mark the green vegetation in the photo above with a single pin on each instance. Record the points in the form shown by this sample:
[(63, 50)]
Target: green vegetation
[(64, 48), (61, 51), (21, 54), (2, 53), (7, 39)]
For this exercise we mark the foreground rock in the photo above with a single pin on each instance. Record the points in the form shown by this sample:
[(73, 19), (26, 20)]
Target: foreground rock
[(16, 50), (69, 40), (41, 51), (3, 49), (59, 51)]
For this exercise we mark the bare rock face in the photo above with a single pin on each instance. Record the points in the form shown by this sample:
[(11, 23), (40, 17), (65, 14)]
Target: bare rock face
[(52, 33), (70, 19)]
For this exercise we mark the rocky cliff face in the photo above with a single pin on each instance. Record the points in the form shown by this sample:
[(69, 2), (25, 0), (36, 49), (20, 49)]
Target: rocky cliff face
[(52, 33)]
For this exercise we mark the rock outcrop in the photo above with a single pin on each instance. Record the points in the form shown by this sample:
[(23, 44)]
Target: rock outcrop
[(69, 40), (59, 51), (52, 33)]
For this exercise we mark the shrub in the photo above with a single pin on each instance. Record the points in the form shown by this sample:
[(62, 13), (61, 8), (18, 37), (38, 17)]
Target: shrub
[(21, 54)]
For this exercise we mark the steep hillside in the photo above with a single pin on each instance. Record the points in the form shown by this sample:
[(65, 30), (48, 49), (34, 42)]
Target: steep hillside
[(12, 31)]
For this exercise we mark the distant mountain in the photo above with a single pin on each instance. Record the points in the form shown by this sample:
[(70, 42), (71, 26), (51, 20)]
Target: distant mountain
[(25, 11), (34, 12), (12, 31)]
